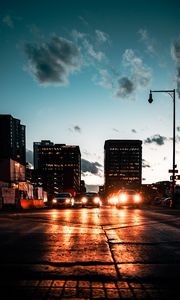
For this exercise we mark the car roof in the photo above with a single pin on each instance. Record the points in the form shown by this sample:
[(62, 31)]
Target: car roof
[(64, 194), (91, 193)]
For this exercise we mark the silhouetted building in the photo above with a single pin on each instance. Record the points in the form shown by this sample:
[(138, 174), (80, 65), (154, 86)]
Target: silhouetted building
[(12, 149), (122, 164), (57, 167), (83, 187)]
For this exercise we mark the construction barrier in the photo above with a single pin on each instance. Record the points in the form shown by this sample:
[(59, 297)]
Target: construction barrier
[(31, 203)]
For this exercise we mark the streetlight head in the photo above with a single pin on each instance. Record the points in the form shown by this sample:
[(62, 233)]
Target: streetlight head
[(150, 100)]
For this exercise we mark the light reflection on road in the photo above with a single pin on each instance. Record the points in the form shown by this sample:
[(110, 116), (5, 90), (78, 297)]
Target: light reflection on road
[(78, 236), (73, 242)]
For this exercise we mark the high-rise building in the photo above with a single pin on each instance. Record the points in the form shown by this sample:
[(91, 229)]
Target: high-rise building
[(57, 167), (122, 164), (12, 149)]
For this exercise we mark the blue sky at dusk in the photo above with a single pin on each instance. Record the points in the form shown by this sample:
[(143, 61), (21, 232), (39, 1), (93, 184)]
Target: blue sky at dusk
[(79, 73)]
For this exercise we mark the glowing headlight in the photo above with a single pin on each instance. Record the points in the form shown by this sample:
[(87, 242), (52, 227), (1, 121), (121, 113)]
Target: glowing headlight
[(84, 200), (68, 201), (113, 200), (96, 200), (54, 201), (123, 198), (137, 198)]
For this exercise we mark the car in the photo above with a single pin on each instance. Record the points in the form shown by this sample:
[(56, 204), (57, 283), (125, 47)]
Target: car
[(63, 199), (112, 199), (129, 197), (91, 199), (165, 202), (156, 201), (78, 200)]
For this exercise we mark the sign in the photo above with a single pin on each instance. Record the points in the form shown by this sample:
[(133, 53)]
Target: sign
[(171, 171), (8, 195), (176, 177)]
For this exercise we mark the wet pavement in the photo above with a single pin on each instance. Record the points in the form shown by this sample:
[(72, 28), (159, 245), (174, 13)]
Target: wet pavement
[(86, 253)]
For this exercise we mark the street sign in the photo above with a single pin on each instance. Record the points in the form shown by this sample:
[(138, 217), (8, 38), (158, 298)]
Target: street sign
[(176, 177), (171, 171)]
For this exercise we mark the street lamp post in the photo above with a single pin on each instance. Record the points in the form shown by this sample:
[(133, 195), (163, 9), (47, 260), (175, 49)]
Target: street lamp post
[(172, 94)]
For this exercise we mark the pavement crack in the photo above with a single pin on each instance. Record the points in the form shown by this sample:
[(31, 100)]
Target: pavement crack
[(112, 254)]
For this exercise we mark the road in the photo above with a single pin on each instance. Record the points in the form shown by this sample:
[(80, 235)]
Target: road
[(90, 253)]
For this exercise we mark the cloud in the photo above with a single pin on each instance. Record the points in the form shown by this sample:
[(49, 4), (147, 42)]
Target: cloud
[(139, 78), (149, 42), (102, 37), (91, 53), (52, 62), (83, 20), (141, 74), (77, 35), (157, 139), (145, 164), (91, 167), (116, 130), (178, 128), (125, 87), (8, 21), (104, 79), (134, 130), (175, 52), (77, 128)]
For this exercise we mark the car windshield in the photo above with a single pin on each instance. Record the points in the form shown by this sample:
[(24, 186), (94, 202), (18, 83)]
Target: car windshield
[(67, 195), (130, 192), (91, 194)]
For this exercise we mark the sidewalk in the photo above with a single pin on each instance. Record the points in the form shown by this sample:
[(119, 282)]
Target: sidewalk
[(71, 289)]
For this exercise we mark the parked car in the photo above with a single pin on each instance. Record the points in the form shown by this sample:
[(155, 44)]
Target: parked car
[(63, 200), (156, 201), (165, 202), (129, 197), (91, 199)]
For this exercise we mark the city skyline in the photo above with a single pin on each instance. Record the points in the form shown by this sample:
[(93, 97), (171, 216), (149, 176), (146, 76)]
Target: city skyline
[(79, 73)]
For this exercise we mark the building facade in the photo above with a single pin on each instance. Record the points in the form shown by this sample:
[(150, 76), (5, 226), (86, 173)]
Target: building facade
[(122, 164), (57, 167), (12, 149)]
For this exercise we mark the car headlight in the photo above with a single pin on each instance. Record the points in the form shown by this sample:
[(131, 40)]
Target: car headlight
[(137, 198), (54, 200), (84, 200), (96, 200), (68, 201), (113, 200), (123, 198)]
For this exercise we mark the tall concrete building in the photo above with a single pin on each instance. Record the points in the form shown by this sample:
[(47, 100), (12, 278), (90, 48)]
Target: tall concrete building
[(12, 149), (122, 164), (57, 167)]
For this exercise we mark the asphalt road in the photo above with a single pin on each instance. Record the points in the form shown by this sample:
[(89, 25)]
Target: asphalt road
[(90, 253)]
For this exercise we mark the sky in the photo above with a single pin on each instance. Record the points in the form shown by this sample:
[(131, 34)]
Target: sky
[(79, 72)]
